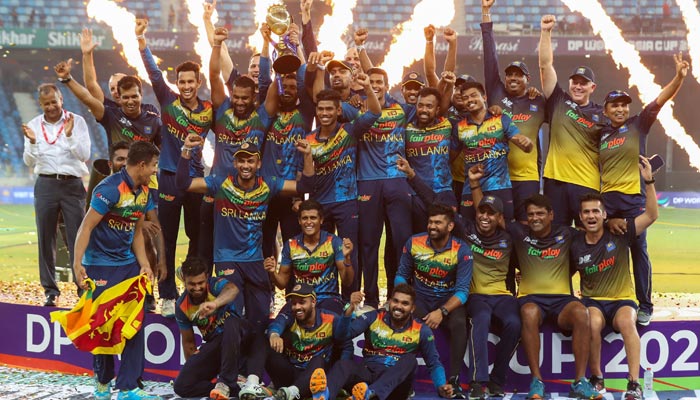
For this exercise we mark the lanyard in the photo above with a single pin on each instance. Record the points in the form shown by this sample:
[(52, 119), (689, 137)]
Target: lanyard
[(60, 130)]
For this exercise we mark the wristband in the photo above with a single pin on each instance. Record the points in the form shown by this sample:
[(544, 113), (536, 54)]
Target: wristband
[(215, 45), (186, 149), (139, 37), (65, 80), (360, 48), (474, 187), (444, 311), (649, 182)]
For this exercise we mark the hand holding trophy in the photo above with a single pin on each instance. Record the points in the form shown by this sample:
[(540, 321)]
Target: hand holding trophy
[(284, 57)]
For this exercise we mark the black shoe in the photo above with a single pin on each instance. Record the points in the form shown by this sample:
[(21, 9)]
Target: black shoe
[(150, 304), (457, 391), (494, 389), (634, 391), (477, 392), (598, 383), (51, 300)]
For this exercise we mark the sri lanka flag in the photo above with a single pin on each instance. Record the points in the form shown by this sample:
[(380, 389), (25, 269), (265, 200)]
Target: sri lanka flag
[(102, 325)]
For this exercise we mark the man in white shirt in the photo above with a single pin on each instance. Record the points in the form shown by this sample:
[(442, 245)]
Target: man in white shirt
[(56, 147)]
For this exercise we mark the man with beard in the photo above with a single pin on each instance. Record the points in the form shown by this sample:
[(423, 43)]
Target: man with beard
[(602, 260), (127, 122), (410, 87), (302, 339), (182, 114), (109, 247), (56, 147), (334, 150), (392, 340), (545, 292), (207, 303), (241, 201), (527, 114), (482, 137), (315, 258), (439, 266), (237, 121), (489, 297), (571, 169), (621, 143)]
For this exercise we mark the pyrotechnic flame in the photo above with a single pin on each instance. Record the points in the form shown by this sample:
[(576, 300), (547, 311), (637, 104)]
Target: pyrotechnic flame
[(625, 55), (195, 15), (335, 26), (691, 17), (404, 49), (255, 40), (122, 23)]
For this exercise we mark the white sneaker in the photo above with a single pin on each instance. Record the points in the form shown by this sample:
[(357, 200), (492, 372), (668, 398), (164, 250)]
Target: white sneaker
[(167, 308), (254, 391)]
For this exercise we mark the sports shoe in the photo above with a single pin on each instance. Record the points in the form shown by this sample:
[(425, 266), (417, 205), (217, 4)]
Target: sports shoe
[(457, 391), (51, 300), (536, 389), (287, 393), (643, 318), (494, 389), (167, 308), (477, 392), (103, 391), (598, 384), (136, 394), (582, 389), (220, 391), (634, 391), (361, 391), (254, 391), (318, 385)]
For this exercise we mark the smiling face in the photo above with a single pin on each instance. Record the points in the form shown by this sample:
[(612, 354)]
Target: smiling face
[(328, 112), (310, 222), (401, 307), (51, 104), (487, 220), (426, 110), (254, 68), (242, 101), (539, 219), (439, 227), (288, 98), (196, 287), (146, 170), (580, 89), (379, 85), (474, 101), (130, 101), (410, 92), (303, 309), (516, 82), (592, 215), (188, 83), (247, 166), (618, 112)]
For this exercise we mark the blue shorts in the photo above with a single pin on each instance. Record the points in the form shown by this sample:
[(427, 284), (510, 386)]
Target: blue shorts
[(550, 305), (521, 191), (566, 200), (609, 307), (621, 205)]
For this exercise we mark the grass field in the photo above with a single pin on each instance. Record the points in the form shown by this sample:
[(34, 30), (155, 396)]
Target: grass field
[(674, 248)]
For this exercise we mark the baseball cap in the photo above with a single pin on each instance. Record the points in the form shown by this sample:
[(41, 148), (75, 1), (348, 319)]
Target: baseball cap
[(519, 65), (337, 64), (302, 290), (585, 72), (492, 202), (249, 149), (413, 77), (617, 95), (464, 78)]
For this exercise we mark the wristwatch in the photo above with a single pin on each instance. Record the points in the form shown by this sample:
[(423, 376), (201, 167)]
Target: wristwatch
[(444, 311)]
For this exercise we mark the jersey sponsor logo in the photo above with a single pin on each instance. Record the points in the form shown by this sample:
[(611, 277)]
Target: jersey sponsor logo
[(364, 197), (545, 254), (226, 272), (435, 272), (430, 138), (315, 267), (579, 119), (559, 239), (467, 203), (488, 253), (166, 197), (602, 266), (613, 144), (102, 198), (584, 259), (610, 246), (147, 130), (521, 117), (503, 244), (507, 102), (533, 107), (101, 282)]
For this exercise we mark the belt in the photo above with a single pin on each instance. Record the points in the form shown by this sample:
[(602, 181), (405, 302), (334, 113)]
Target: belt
[(59, 177)]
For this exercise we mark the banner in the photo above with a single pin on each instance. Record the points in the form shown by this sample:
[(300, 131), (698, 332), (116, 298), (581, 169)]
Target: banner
[(679, 199), (16, 195), (376, 44), (669, 348)]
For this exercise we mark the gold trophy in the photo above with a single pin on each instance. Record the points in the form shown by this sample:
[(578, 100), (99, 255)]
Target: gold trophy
[(285, 55)]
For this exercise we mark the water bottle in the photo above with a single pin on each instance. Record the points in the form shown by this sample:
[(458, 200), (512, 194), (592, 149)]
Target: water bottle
[(648, 383)]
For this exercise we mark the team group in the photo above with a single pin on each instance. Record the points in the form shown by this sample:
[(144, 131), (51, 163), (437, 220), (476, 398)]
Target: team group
[(452, 174)]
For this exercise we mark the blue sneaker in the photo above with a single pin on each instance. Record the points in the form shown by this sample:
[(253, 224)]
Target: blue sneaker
[(536, 389), (103, 391), (582, 389), (136, 394), (318, 385)]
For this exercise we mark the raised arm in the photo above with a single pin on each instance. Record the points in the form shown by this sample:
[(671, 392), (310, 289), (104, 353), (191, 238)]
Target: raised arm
[(360, 37), (446, 86), (345, 270), (218, 94), (450, 36), (308, 39), (63, 72), (373, 104), (279, 278), (429, 64), (669, 91), (547, 72), (644, 220), (87, 47), (226, 62), (183, 180)]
